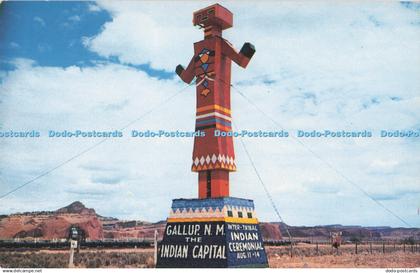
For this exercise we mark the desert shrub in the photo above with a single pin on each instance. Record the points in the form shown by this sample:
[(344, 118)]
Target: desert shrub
[(132, 259), (82, 259), (409, 241), (91, 255), (114, 261), (114, 255), (356, 239), (91, 264), (98, 262), (57, 262), (150, 263)]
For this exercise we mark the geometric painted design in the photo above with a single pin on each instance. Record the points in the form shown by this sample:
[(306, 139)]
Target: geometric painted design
[(210, 162), (212, 120), (228, 209), (204, 57), (205, 92), (204, 66), (213, 232), (213, 115), (213, 107)]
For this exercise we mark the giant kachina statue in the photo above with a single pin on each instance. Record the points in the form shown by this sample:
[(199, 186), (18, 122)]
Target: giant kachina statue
[(214, 230), (213, 156)]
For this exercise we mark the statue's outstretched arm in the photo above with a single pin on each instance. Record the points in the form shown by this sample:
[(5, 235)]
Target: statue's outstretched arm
[(243, 57), (187, 75)]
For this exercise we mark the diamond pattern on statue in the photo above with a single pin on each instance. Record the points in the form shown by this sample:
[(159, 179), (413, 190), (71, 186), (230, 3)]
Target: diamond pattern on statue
[(207, 162), (205, 66), (213, 159), (205, 92)]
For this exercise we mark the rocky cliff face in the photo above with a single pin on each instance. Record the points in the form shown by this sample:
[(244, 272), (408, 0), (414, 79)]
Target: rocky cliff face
[(121, 230), (141, 230), (270, 231), (55, 225), (52, 225)]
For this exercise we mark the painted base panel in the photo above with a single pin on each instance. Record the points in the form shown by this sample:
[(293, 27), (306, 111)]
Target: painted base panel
[(214, 232)]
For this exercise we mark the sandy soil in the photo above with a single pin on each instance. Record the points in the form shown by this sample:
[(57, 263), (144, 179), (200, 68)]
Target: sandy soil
[(279, 257), (305, 256), (400, 260), (106, 250)]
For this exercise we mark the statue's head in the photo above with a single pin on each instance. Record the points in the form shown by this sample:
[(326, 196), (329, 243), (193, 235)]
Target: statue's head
[(213, 16)]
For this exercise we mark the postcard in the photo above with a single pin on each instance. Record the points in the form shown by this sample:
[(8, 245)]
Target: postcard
[(200, 134)]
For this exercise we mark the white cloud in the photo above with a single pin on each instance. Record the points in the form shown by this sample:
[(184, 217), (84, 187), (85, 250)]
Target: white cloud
[(40, 21), (94, 8), (142, 33), (14, 45), (74, 18), (51, 98)]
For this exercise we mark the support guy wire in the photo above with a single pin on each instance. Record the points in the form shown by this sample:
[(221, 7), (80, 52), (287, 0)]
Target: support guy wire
[(329, 165), (90, 148)]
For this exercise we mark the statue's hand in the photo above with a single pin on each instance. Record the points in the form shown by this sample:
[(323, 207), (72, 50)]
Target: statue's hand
[(179, 69), (248, 50)]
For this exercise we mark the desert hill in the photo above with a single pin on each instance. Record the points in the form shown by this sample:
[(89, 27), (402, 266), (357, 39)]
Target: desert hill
[(55, 225), (51, 224)]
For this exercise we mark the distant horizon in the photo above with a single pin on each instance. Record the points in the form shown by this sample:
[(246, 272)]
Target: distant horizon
[(163, 220)]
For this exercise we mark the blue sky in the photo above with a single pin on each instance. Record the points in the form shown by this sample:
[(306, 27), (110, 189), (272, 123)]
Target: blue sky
[(87, 65), (50, 33)]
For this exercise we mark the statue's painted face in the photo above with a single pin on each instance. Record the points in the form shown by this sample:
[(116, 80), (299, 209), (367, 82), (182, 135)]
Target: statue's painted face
[(204, 18), (214, 15)]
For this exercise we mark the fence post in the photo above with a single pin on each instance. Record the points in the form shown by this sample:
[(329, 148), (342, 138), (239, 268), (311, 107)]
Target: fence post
[(383, 247), (356, 247), (370, 247), (291, 249), (317, 249), (73, 245), (404, 247)]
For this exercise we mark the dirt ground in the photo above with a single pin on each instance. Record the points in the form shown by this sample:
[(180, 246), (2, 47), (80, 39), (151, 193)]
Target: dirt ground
[(305, 256)]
